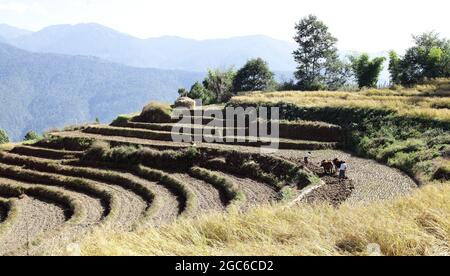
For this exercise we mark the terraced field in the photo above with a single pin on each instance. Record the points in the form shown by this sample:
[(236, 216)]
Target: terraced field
[(57, 190)]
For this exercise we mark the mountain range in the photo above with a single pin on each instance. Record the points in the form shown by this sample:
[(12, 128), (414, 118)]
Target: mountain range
[(39, 91), (164, 52)]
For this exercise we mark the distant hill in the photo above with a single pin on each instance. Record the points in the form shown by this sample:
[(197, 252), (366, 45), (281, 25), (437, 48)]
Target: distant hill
[(9, 33), (39, 91), (164, 52)]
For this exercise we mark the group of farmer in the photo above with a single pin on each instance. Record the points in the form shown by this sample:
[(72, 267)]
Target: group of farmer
[(330, 166)]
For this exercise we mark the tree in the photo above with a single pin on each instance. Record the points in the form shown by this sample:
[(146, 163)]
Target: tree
[(367, 71), (394, 67), (31, 135), (183, 92), (337, 74), (428, 58), (318, 61), (220, 83), (255, 75), (199, 92), (3, 137)]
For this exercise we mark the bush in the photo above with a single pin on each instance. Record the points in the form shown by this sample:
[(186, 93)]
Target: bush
[(31, 135), (156, 113), (3, 137), (407, 146), (97, 151), (123, 120)]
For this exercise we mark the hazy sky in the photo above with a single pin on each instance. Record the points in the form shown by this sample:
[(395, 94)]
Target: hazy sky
[(359, 25)]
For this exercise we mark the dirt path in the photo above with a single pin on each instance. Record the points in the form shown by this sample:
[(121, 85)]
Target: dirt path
[(255, 192), (372, 181), (208, 197)]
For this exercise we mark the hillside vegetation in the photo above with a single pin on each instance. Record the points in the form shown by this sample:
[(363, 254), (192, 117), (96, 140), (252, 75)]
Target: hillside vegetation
[(43, 91), (404, 128)]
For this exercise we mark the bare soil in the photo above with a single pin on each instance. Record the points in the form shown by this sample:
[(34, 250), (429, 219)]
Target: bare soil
[(372, 181), (35, 218), (208, 197), (255, 192)]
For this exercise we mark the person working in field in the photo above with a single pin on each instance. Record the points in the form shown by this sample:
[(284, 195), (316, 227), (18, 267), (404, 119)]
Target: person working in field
[(307, 157), (343, 171)]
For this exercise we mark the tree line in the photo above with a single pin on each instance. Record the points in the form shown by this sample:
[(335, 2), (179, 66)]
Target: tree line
[(319, 67)]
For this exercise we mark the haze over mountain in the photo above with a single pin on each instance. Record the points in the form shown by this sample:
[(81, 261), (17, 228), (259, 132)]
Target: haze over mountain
[(168, 52), (9, 33), (164, 52), (40, 91)]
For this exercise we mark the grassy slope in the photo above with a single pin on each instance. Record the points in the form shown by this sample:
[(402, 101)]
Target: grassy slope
[(418, 225), (415, 225)]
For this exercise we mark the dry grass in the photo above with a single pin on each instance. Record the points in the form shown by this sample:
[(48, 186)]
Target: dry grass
[(416, 225), (420, 101), (7, 146), (404, 105)]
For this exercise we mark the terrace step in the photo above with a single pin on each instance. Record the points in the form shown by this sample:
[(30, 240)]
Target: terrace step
[(46, 152), (305, 130), (104, 202), (232, 140), (33, 217)]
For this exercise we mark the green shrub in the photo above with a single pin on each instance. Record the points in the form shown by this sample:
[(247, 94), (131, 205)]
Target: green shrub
[(31, 135), (404, 161), (3, 137), (407, 146), (122, 120)]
